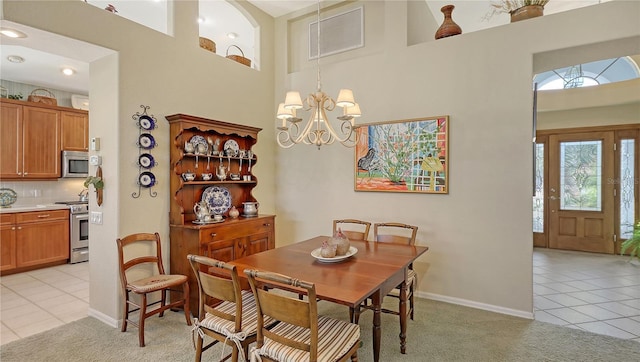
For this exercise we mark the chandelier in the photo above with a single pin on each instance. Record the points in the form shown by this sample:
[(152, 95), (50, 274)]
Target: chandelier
[(318, 130)]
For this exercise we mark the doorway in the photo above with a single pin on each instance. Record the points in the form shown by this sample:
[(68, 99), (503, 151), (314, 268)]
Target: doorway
[(586, 188)]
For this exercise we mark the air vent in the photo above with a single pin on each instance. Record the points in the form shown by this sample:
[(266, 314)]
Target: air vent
[(338, 33)]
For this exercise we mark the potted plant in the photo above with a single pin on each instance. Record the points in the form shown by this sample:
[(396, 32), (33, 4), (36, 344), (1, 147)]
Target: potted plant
[(633, 243), (98, 184), (518, 9)]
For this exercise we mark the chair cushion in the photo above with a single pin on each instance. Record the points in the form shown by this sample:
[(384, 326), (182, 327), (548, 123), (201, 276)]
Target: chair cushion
[(156, 282), (335, 338), (249, 317)]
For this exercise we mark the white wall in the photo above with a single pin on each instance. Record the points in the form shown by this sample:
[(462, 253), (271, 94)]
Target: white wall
[(479, 234), (171, 75)]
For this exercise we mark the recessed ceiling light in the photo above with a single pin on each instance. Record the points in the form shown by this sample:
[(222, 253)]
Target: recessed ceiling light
[(232, 35), (201, 19), (15, 59), (68, 71), (12, 33)]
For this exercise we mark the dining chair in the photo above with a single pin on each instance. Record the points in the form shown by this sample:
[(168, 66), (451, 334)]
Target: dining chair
[(394, 233), (158, 281), (226, 313), (301, 334), (352, 228)]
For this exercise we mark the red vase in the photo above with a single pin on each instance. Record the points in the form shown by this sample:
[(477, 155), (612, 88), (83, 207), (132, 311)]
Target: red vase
[(448, 27)]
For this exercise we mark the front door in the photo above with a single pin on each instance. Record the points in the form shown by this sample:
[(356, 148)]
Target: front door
[(581, 191)]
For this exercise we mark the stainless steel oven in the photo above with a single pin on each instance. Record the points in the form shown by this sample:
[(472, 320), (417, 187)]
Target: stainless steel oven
[(78, 230)]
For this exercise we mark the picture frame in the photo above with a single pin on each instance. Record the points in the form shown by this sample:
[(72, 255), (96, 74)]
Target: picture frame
[(403, 156)]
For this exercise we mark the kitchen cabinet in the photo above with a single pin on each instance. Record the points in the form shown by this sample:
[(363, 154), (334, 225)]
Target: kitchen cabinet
[(30, 141), (232, 238), (35, 240), (8, 244), (74, 131)]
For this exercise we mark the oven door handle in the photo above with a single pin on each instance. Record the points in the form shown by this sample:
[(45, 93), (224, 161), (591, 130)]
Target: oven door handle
[(81, 216)]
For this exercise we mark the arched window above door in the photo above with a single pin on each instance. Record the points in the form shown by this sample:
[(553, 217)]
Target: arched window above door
[(589, 74)]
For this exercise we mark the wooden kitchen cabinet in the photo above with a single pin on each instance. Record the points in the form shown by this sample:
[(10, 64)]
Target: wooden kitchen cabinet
[(30, 141), (8, 244), (74, 131), (227, 240), (36, 239)]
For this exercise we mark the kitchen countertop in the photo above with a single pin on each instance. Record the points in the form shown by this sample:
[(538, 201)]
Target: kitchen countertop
[(37, 207)]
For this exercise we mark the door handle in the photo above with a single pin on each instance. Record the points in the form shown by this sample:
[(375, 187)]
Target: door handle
[(553, 198)]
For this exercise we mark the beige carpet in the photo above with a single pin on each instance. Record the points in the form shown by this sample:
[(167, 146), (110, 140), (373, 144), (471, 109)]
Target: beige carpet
[(440, 332)]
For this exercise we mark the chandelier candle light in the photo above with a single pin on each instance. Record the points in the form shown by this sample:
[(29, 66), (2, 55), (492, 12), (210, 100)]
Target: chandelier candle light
[(318, 130)]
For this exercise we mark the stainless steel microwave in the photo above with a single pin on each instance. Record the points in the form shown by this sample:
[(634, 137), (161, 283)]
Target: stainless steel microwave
[(75, 164)]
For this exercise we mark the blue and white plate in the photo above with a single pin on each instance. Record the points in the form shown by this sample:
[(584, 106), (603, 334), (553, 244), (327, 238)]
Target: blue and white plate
[(146, 123), (7, 197), (199, 144), (146, 141), (218, 199), (146, 160), (147, 179)]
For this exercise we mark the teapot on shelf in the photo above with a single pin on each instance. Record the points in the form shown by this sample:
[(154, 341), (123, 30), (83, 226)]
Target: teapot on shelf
[(221, 172), (201, 209)]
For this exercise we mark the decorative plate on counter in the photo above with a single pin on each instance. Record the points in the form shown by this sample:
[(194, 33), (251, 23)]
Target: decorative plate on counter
[(231, 148), (146, 160), (147, 179), (146, 123), (146, 141), (218, 198), (316, 254), (199, 144), (7, 197)]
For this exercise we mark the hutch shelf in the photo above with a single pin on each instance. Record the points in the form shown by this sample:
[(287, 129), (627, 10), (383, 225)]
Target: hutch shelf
[(231, 238)]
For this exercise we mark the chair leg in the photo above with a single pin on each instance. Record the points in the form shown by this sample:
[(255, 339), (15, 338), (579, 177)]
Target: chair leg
[(356, 315), (125, 312), (143, 312), (199, 348), (187, 310), (163, 302)]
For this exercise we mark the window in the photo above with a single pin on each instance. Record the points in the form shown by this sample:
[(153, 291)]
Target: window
[(588, 74)]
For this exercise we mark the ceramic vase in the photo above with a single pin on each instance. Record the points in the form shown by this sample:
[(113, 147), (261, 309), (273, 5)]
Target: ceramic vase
[(448, 27), (234, 213)]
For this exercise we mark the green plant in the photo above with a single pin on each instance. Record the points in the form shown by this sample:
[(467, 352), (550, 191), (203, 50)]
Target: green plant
[(633, 243), (97, 182), (507, 6)]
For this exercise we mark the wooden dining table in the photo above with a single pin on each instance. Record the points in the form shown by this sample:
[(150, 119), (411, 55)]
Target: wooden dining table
[(375, 270)]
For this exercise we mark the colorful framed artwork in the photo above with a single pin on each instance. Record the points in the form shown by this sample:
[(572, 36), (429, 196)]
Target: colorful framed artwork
[(403, 156)]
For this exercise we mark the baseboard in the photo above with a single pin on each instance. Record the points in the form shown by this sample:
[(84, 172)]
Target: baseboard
[(103, 318), (477, 305)]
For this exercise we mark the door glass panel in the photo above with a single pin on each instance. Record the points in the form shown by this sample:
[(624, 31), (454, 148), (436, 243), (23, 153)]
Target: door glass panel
[(627, 184), (581, 176), (538, 198)]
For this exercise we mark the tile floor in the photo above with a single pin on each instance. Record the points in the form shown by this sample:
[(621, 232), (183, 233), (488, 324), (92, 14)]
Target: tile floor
[(42, 299), (595, 292)]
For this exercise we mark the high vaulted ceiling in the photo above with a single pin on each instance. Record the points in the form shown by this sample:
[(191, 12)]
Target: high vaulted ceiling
[(44, 60)]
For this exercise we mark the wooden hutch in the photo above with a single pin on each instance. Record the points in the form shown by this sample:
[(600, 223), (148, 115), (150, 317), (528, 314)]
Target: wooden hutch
[(227, 240)]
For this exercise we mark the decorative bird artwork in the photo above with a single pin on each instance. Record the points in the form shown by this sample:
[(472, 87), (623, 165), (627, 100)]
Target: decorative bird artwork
[(368, 162)]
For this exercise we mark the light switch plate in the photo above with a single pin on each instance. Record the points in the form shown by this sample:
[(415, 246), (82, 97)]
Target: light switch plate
[(96, 217)]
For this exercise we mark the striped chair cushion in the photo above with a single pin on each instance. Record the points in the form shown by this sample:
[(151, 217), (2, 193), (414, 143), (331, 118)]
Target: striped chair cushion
[(155, 282), (335, 338), (249, 317)]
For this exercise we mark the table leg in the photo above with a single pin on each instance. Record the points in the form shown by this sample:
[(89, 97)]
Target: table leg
[(403, 318), (376, 301)]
